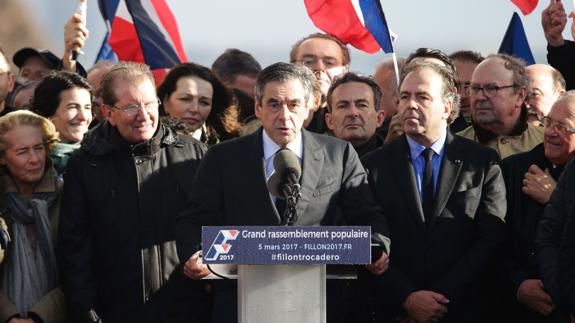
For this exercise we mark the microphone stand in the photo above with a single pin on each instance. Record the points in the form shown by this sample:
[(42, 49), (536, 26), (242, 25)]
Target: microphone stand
[(292, 194)]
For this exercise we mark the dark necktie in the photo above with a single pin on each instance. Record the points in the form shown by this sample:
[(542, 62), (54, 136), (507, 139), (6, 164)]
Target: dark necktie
[(427, 185)]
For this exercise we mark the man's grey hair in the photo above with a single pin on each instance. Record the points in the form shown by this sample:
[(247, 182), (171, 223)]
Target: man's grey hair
[(126, 71), (448, 88), (283, 72)]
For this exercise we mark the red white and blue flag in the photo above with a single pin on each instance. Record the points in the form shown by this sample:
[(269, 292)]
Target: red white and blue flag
[(360, 23), (142, 31)]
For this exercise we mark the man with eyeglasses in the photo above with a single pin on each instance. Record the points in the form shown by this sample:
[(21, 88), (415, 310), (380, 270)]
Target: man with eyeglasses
[(498, 90), (334, 188), (546, 84), (530, 179), (124, 188), (327, 57), (7, 80)]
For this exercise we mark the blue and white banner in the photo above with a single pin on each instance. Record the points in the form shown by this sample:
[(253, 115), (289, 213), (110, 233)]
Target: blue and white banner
[(271, 245)]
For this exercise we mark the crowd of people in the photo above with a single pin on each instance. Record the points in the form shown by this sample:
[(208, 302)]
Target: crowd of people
[(461, 164)]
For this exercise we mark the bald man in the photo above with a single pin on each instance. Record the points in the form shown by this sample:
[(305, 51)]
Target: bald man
[(546, 84)]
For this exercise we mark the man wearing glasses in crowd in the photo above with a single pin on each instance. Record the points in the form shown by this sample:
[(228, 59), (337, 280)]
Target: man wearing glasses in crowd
[(327, 58), (530, 179), (124, 188), (499, 120)]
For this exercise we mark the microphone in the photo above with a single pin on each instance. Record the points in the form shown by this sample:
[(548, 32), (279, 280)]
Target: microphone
[(285, 181)]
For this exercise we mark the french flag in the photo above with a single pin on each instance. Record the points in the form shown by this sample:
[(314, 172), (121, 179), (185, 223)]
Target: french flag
[(360, 23), (142, 31)]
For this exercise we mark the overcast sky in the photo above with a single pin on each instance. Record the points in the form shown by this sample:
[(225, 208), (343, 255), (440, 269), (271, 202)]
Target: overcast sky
[(268, 28)]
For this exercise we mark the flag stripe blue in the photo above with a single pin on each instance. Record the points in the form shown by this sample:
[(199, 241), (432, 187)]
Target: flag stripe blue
[(106, 53), (158, 51), (515, 41), (376, 23)]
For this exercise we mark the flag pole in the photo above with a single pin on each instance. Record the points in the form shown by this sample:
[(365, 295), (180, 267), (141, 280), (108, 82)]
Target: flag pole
[(396, 68), (82, 8)]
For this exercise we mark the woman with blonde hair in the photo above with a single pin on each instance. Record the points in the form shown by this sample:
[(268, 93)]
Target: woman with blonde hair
[(29, 203)]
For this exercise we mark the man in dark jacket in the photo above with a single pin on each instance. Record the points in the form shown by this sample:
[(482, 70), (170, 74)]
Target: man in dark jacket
[(334, 186), (564, 197), (445, 201), (124, 188), (530, 179)]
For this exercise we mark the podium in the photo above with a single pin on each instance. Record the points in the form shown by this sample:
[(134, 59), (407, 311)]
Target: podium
[(282, 293), (281, 271)]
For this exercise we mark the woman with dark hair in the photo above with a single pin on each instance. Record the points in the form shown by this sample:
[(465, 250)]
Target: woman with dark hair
[(66, 99), (29, 204), (192, 94)]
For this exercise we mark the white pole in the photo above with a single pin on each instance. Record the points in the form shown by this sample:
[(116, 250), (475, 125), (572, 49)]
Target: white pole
[(397, 68), (82, 8)]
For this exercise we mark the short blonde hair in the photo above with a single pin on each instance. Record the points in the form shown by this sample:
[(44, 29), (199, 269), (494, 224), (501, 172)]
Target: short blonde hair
[(26, 118)]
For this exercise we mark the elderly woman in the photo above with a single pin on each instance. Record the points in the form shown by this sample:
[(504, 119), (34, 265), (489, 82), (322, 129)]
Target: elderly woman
[(65, 98), (29, 204), (191, 93)]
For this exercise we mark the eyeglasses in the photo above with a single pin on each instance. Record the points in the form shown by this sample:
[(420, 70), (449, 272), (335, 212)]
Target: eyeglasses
[(311, 61), (489, 90), (558, 126), (133, 109)]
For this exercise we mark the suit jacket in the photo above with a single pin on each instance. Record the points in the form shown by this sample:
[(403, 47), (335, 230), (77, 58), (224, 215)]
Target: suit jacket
[(230, 189), (449, 254)]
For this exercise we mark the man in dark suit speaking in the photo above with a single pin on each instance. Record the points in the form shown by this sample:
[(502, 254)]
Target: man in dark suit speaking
[(444, 198), (230, 188)]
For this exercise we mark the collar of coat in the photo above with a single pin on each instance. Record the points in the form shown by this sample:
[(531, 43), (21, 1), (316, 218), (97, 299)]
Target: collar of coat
[(105, 138), (484, 136)]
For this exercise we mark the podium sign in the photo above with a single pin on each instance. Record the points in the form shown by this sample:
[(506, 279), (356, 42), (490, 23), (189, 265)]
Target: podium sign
[(275, 245)]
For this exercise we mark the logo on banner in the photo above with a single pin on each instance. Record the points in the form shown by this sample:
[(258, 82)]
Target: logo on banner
[(221, 245)]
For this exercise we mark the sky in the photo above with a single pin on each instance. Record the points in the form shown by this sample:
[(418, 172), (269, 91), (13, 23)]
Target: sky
[(268, 28)]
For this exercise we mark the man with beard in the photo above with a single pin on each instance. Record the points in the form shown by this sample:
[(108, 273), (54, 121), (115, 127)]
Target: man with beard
[(354, 114), (327, 57), (530, 179), (499, 121), (546, 84), (445, 204)]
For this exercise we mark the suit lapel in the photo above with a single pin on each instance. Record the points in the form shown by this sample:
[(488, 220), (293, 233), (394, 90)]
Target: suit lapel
[(404, 170), (448, 174), (313, 159), (255, 171)]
